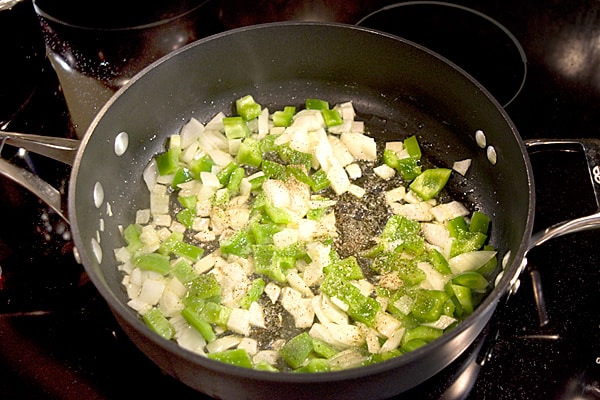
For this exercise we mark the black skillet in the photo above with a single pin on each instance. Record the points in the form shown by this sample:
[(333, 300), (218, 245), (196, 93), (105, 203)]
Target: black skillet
[(399, 88)]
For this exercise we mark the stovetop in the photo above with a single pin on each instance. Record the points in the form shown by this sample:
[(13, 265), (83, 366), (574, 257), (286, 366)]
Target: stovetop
[(58, 340)]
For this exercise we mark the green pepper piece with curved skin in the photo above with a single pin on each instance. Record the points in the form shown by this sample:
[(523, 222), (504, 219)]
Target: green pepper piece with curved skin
[(316, 104), (429, 305), (176, 245), (153, 262), (319, 180), (479, 222), (237, 357), (296, 350), (156, 321), (250, 152), (203, 164), (247, 108), (431, 182), (235, 180), (183, 271), (255, 290), (332, 117), (284, 118), (421, 332), (196, 321), (235, 128), (411, 145), (237, 244), (131, 234), (168, 162), (472, 280), (181, 175), (463, 296)]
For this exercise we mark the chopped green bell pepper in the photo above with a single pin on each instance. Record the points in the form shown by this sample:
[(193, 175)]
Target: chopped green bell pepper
[(361, 308), (156, 321), (316, 104), (176, 245), (181, 175), (198, 323), (235, 128), (235, 181), (237, 357), (296, 350), (265, 264), (202, 164), (250, 152), (183, 271), (346, 268), (332, 117), (203, 287), (168, 162), (225, 174), (247, 107), (479, 222), (431, 182), (131, 234), (153, 262), (237, 244), (319, 181), (254, 292), (186, 217), (411, 145), (471, 279), (284, 118), (429, 305)]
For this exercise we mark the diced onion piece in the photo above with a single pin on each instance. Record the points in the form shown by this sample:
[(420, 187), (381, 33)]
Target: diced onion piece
[(434, 280), (393, 341), (333, 313), (311, 120), (338, 177), (223, 343), (273, 291), (353, 170), (340, 151), (470, 261), (239, 321), (142, 216), (448, 211), (361, 146), (395, 195), (462, 166), (396, 147), (250, 345), (257, 317), (349, 358), (190, 132), (442, 323), (150, 174), (296, 282), (267, 356), (357, 191), (151, 291), (386, 324), (300, 308), (384, 172), (417, 212)]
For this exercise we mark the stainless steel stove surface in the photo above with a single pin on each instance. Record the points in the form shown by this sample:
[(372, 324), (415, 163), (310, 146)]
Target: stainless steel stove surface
[(541, 59)]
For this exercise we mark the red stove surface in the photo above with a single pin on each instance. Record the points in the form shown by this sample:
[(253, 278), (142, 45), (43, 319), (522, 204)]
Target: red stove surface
[(58, 339)]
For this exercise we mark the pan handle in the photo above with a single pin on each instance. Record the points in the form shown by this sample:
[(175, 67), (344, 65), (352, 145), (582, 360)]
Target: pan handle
[(591, 149), (60, 149), (56, 148)]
